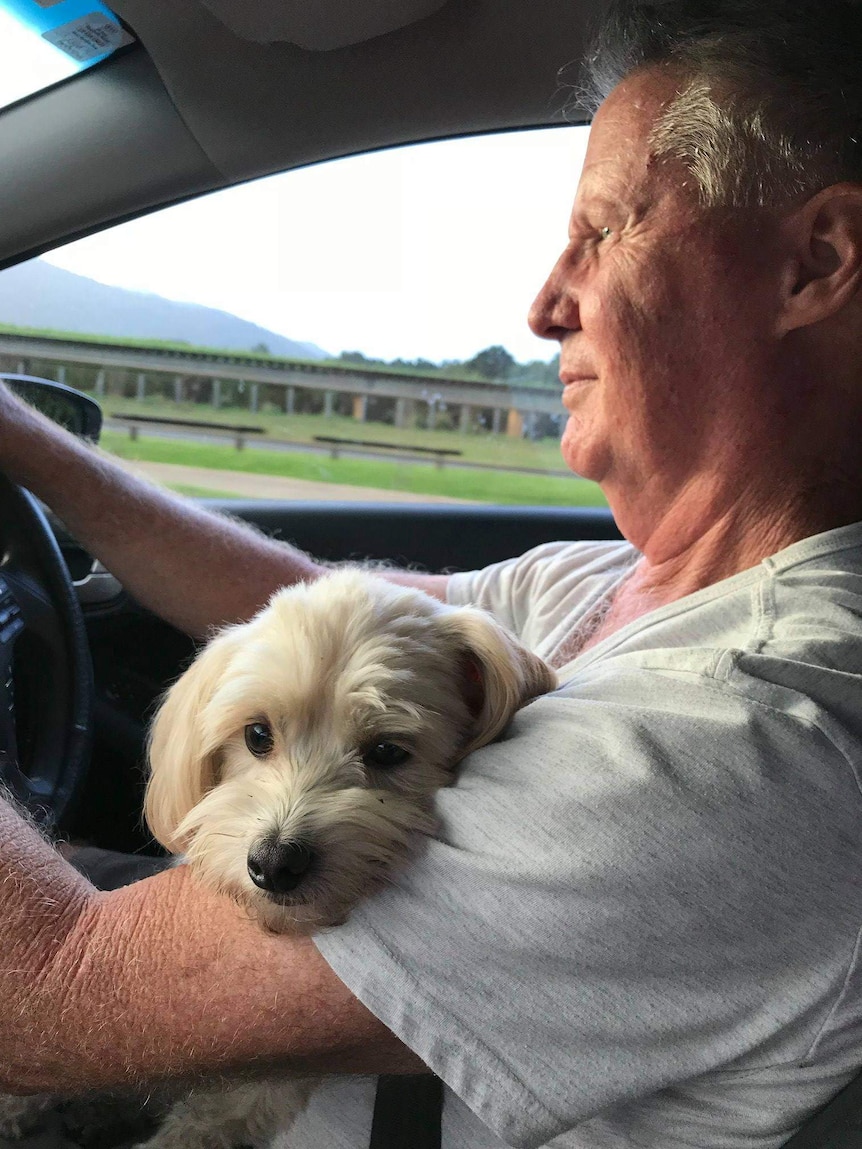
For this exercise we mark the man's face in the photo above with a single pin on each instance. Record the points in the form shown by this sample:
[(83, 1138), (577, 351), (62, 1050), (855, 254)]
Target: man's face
[(663, 311)]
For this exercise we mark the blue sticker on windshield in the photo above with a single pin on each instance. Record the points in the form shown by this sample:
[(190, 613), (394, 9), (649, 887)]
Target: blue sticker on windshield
[(88, 38), (84, 30)]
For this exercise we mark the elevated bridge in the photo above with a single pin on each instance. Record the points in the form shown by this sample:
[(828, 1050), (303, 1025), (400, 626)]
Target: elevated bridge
[(366, 393)]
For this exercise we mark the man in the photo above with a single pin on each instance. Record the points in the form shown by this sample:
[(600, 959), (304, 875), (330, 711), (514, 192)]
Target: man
[(639, 923)]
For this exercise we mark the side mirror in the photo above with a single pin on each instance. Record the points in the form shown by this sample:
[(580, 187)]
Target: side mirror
[(72, 409)]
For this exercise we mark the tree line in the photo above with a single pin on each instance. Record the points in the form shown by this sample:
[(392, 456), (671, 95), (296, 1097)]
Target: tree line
[(494, 363)]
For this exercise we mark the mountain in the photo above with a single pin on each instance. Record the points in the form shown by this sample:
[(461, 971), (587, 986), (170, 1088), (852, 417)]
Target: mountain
[(37, 294)]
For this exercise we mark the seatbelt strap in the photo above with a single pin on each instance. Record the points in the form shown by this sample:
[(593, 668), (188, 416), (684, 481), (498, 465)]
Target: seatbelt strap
[(407, 1112)]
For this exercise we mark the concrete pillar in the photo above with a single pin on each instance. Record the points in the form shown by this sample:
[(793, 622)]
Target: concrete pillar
[(142, 386), (178, 388), (465, 419), (22, 367), (514, 424), (253, 398), (360, 407), (216, 393), (289, 400), (61, 373), (497, 420), (432, 416), (328, 400), (100, 381), (405, 412)]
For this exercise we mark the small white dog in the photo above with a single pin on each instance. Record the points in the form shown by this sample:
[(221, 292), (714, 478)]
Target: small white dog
[(294, 761)]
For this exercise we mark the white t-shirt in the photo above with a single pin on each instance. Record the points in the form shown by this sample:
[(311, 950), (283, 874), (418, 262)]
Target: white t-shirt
[(639, 922)]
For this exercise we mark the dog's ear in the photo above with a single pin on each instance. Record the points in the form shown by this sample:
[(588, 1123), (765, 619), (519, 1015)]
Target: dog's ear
[(499, 674), (182, 765)]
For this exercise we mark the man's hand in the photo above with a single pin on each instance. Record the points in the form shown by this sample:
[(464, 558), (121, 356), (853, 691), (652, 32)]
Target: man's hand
[(193, 568)]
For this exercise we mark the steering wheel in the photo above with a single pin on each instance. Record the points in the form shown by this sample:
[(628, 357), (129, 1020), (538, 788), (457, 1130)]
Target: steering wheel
[(46, 675)]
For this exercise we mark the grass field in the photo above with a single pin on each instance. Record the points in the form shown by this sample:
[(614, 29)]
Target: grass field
[(478, 486), (495, 450)]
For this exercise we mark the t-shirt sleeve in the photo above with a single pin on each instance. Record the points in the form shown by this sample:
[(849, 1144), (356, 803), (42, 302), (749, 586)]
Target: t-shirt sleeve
[(612, 902), (542, 584)]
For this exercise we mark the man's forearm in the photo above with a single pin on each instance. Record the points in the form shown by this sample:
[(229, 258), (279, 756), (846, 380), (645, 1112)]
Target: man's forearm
[(193, 568), (160, 979)]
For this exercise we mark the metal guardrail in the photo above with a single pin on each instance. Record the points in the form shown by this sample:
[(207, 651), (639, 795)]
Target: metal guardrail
[(336, 443), (238, 430), (305, 445)]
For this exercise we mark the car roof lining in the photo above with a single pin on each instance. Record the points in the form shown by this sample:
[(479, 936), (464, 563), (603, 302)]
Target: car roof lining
[(257, 107), (319, 25), (199, 107)]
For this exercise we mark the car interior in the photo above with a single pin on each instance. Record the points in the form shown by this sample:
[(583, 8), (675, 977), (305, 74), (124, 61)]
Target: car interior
[(212, 94), (205, 95)]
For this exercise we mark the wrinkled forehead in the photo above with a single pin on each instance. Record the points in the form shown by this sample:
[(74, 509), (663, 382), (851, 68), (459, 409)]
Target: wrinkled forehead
[(619, 156)]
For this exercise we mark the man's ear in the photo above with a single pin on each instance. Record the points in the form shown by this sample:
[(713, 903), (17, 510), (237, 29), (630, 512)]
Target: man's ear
[(823, 242)]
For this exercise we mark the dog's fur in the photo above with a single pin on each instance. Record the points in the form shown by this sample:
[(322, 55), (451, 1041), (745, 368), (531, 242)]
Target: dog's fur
[(332, 668)]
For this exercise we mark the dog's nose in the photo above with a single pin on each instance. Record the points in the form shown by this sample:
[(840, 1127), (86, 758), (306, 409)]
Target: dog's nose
[(278, 867)]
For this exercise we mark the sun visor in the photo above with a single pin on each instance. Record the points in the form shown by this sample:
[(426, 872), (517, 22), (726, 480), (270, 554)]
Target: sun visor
[(318, 25)]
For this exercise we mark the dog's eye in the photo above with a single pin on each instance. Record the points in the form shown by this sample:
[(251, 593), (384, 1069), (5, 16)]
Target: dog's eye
[(258, 738), (385, 755)]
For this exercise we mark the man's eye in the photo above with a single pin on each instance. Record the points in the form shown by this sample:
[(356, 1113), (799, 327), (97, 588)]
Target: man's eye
[(385, 755), (258, 738), (604, 232)]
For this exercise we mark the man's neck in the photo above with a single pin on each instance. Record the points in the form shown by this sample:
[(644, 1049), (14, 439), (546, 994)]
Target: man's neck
[(683, 552), (652, 584), (671, 568)]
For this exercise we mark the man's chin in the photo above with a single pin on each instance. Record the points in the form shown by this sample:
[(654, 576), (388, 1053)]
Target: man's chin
[(581, 459)]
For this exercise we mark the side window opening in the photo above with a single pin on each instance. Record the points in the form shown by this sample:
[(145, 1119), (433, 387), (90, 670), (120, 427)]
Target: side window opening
[(358, 324)]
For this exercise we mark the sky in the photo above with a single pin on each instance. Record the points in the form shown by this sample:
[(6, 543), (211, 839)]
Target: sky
[(433, 251)]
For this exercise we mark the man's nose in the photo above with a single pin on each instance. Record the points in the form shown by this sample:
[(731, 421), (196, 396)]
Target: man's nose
[(279, 867), (555, 311)]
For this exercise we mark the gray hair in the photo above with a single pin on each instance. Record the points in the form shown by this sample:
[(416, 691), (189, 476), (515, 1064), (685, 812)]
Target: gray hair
[(769, 107)]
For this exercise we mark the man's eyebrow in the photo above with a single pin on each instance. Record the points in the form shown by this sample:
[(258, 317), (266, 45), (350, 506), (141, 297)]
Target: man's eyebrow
[(588, 202)]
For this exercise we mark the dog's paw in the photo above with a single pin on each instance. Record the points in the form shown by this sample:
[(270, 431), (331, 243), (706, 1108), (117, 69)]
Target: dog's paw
[(101, 1121), (21, 1115), (177, 1139)]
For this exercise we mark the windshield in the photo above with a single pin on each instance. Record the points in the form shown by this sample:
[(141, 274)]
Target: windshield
[(45, 41)]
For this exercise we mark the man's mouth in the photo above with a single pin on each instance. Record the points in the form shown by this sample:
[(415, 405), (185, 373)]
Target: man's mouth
[(573, 384)]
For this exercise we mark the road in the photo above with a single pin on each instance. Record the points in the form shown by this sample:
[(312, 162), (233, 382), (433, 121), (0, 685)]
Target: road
[(216, 438), (249, 486)]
